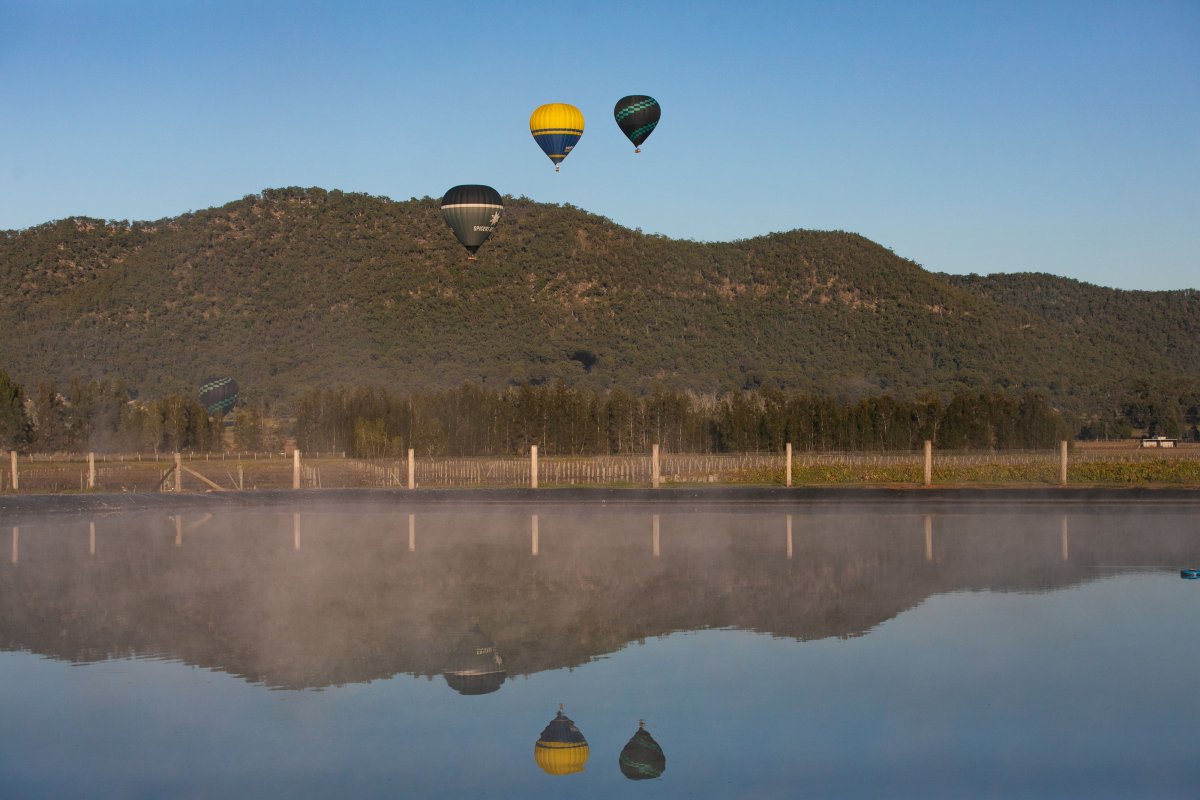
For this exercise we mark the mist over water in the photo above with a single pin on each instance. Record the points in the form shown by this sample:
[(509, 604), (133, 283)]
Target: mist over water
[(770, 650)]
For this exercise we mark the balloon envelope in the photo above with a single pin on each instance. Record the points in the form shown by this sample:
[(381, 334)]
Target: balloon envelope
[(472, 212), (642, 758), (637, 115), (561, 749), (556, 127), (219, 395), (475, 666)]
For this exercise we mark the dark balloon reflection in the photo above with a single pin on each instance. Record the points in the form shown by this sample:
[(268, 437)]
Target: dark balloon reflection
[(642, 758), (475, 666)]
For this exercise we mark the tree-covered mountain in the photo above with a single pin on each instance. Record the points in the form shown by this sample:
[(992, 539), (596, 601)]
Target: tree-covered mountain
[(294, 289)]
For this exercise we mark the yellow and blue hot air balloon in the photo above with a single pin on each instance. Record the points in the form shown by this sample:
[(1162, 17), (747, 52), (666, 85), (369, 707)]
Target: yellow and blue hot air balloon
[(561, 749), (556, 127)]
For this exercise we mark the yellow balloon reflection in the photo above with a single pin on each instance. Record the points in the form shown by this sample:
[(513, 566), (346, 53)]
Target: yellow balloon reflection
[(561, 749)]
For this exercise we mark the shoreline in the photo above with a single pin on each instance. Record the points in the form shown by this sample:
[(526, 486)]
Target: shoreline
[(40, 504)]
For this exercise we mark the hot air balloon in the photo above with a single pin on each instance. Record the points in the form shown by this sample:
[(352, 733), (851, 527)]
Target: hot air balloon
[(637, 115), (475, 667), (219, 395), (642, 758), (561, 749), (472, 212), (556, 127)]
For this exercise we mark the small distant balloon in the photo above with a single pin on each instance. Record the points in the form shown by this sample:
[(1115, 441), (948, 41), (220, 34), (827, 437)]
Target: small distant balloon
[(472, 212), (556, 127), (219, 395), (637, 115)]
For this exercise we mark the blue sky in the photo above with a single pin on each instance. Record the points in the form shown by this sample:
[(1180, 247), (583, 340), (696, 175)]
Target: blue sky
[(967, 136)]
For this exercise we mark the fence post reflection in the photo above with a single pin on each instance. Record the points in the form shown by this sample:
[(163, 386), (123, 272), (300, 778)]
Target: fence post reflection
[(1066, 546), (657, 549), (295, 531), (16, 538), (929, 537), (91, 538), (789, 537), (533, 528), (412, 533)]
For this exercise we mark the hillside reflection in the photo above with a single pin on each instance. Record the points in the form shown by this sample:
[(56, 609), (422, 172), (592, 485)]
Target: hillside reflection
[(318, 599)]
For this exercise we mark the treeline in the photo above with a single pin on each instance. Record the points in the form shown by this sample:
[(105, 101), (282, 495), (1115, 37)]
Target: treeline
[(101, 416), (104, 416), (561, 420)]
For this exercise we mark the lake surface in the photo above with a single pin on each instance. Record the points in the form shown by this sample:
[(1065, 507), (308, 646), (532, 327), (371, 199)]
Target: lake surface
[(770, 651)]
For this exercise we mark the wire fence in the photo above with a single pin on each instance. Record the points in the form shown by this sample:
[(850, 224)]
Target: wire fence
[(137, 472)]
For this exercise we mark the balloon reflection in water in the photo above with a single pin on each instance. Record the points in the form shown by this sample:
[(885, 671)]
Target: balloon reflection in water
[(475, 667), (561, 749), (642, 758)]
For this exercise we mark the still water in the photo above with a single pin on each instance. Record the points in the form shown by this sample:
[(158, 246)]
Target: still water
[(719, 651)]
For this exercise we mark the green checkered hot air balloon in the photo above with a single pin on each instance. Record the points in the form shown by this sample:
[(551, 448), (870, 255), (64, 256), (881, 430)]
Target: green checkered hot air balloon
[(637, 115), (219, 395)]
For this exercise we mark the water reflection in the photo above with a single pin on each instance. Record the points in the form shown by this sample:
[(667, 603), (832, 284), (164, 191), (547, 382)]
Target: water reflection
[(475, 666), (641, 758), (356, 603), (561, 749)]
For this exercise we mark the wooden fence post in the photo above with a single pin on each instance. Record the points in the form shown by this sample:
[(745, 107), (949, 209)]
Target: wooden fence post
[(91, 483), (1062, 464), (178, 473), (928, 462), (296, 468), (412, 470), (787, 480), (655, 475), (16, 484), (533, 467)]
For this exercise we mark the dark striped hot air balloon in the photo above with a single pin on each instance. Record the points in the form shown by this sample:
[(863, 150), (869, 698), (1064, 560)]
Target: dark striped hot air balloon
[(561, 749), (219, 395), (475, 666), (642, 758), (557, 128), (472, 212), (637, 115)]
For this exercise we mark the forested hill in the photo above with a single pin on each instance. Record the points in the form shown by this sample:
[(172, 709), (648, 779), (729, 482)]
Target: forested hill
[(1135, 327), (296, 288)]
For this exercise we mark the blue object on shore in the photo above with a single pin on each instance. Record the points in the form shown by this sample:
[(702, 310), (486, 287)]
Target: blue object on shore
[(1190, 574)]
